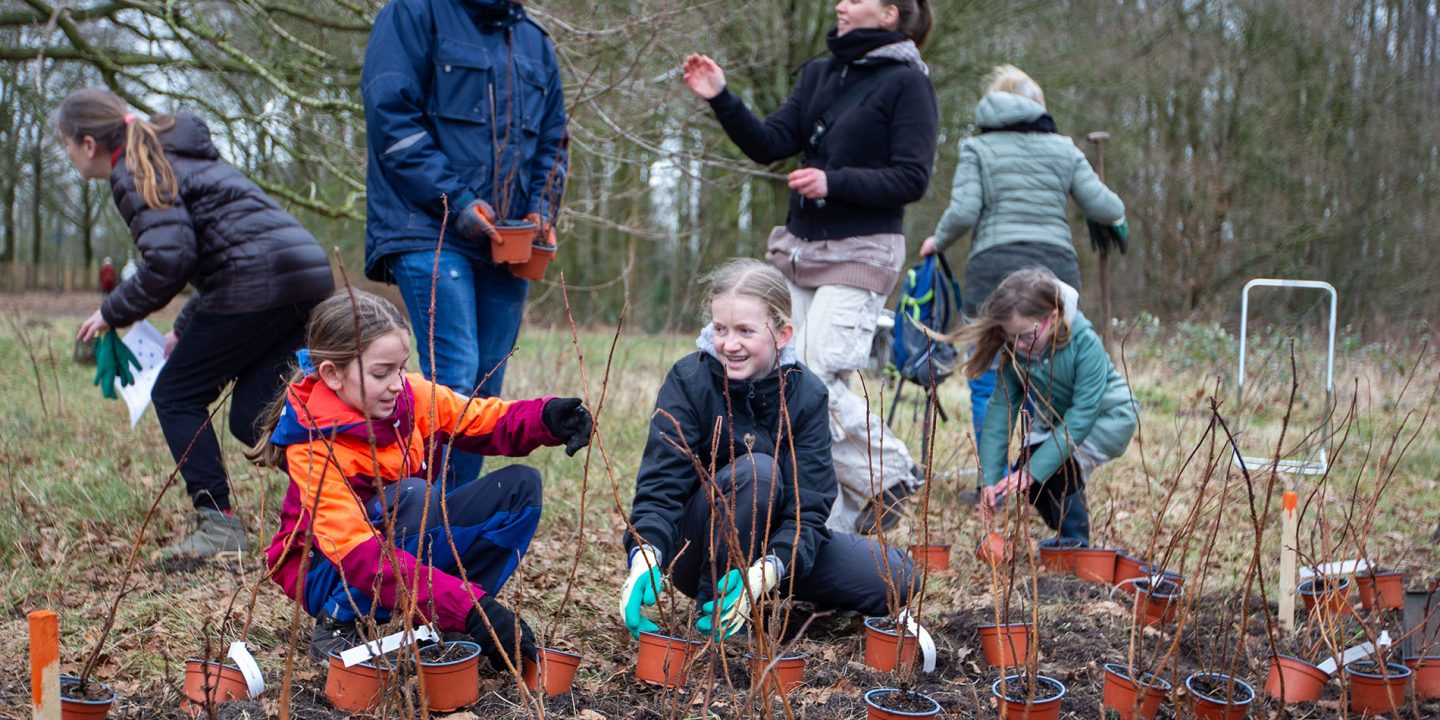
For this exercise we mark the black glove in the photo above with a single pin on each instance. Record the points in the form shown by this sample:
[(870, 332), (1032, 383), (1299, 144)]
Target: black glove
[(1104, 238), (476, 220), (568, 420), (504, 622)]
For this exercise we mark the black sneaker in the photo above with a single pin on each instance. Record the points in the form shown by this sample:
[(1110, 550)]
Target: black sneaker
[(331, 636), (890, 506)]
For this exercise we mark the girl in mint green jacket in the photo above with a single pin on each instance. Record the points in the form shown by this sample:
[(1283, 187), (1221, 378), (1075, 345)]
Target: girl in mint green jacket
[(1080, 412)]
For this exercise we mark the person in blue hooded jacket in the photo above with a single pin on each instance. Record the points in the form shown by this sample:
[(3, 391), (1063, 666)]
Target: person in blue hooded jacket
[(465, 113)]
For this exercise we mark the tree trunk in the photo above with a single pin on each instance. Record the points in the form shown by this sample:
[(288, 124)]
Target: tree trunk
[(37, 164)]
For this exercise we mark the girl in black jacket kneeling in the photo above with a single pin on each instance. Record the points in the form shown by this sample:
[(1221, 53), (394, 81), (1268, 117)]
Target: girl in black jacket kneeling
[(256, 272), (746, 408)]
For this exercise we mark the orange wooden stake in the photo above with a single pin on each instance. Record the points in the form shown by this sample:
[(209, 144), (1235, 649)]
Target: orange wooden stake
[(45, 664), (1289, 539)]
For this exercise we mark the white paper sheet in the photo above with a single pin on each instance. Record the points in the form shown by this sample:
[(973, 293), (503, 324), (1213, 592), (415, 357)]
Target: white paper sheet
[(149, 347)]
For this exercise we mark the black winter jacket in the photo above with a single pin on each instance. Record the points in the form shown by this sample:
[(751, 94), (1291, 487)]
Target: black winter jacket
[(877, 158), (223, 235), (695, 394)]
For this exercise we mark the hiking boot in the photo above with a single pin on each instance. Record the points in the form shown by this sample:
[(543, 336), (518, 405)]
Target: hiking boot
[(216, 535), (890, 506), (331, 636)]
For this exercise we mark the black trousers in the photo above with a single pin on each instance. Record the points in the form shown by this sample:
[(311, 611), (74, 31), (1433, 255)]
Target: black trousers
[(848, 572), (1060, 500), (254, 350)]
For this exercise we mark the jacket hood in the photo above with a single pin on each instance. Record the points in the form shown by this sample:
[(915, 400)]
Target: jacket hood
[(312, 410), (189, 136), (1069, 304), (493, 15), (705, 343), (998, 109)]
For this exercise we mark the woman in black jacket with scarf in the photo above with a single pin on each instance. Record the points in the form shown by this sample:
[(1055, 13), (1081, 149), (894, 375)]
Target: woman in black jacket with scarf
[(743, 407), (256, 272), (864, 121)]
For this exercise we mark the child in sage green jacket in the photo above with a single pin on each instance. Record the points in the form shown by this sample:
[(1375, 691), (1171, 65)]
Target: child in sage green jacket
[(1080, 412)]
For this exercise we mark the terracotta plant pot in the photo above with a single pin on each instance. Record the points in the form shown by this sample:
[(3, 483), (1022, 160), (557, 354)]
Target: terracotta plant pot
[(1329, 596), (541, 255), (357, 688), (1128, 567), (993, 550), (664, 660), (788, 673), (209, 682), (1426, 672), (452, 683), (516, 238), (884, 648), (1005, 645), (95, 707), (1373, 692), (1217, 696), (1045, 705), (1056, 554), (933, 557), (1096, 565), (1385, 590), (1121, 691), (911, 704), (558, 668), (1157, 603), (1293, 680), (1148, 570)]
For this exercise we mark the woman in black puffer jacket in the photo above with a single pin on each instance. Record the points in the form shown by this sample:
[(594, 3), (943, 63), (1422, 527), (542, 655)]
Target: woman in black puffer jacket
[(256, 273)]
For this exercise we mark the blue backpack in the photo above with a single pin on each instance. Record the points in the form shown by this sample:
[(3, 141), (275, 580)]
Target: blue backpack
[(930, 297)]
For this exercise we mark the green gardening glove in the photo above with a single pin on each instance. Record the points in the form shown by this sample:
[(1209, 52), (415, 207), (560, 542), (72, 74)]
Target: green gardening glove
[(113, 360), (642, 589), (738, 590)]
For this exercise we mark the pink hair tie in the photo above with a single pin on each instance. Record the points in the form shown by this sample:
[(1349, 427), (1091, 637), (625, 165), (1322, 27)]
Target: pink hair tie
[(129, 118)]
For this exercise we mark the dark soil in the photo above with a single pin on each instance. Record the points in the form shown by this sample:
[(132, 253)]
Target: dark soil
[(1017, 689), (906, 701), (92, 692), (447, 653), (1222, 690)]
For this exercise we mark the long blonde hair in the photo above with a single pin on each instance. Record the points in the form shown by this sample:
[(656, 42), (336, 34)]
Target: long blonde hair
[(1029, 293), (102, 115), (340, 329)]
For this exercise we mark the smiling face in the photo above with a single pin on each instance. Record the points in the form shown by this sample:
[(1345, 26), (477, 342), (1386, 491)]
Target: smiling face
[(373, 383), (1028, 336), (745, 337), (857, 14)]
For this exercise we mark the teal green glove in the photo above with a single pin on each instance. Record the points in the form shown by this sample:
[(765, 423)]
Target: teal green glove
[(642, 589), (738, 592), (113, 360), (1122, 231)]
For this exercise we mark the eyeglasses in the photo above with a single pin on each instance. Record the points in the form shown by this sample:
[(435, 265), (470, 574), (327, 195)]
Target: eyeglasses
[(1028, 338)]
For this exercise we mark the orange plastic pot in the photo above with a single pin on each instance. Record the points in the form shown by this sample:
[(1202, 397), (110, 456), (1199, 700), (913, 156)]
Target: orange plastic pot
[(1157, 603), (1005, 645), (514, 241), (1217, 696), (356, 688), (452, 684), (1328, 596), (1148, 570), (1373, 692), (558, 668), (884, 648), (787, 674), (1122, 693), (1383, 589), (1015, 703), (1426, 671), (993, 550), (1056, 553), (208, 682), (877, 708), (1128, 567), (664, 660), (541, 255), (1096, 565), (82, 709), (933, 557), (1293, 680)]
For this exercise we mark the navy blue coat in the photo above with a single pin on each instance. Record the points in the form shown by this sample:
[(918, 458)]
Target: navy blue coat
[(431, 70)]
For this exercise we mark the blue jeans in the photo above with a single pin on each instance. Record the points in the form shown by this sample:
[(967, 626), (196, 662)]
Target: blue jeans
[(478, 307)]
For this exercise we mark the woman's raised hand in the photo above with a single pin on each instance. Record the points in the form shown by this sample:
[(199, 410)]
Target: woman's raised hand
[(704, 76)]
